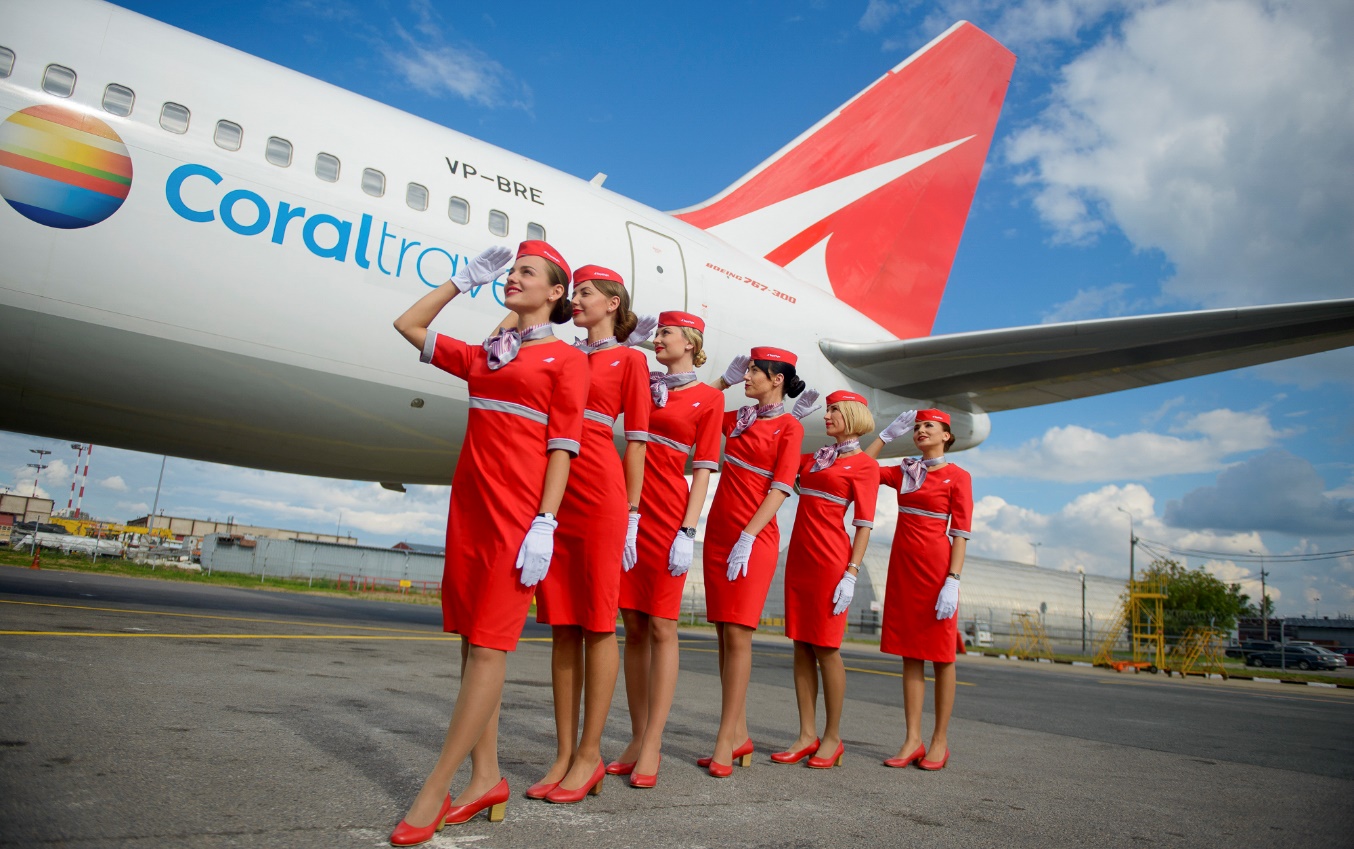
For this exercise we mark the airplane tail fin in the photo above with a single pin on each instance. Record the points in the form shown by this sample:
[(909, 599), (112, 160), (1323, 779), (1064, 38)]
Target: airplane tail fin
[(869, 203)]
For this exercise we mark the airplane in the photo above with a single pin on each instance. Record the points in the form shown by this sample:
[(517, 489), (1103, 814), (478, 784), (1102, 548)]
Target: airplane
[(203, 253)]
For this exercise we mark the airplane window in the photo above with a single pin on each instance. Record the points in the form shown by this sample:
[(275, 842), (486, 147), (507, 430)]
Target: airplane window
[(416, 196), (58, 80), (278, 151), (373, 182), (228, 135), (174, 118), (498, 222), (327, 167), (535, 231), (6, 61), (118, 99), (458, 210)]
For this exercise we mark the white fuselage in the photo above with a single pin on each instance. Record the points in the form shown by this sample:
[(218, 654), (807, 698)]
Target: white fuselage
[(240, 311)]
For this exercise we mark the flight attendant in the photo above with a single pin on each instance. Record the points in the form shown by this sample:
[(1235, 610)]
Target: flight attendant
[(742, 540), (599, 519), (684, 422), (820, 571), (935, 511), (527, 392)]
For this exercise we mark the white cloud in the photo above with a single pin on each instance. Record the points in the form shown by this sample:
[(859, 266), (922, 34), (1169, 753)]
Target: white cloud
[(1217, 132), (436, 66), (1275, 491), (1096, 302), (877, 13), (115, 483), (1076, 454)]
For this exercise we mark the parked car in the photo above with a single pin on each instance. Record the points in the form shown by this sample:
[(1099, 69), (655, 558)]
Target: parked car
[(1297, 657), (1246, 648)]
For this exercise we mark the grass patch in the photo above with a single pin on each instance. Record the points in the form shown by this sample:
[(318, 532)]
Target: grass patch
[(117, 566)]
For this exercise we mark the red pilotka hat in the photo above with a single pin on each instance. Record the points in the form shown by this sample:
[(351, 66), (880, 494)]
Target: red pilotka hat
[(674, 318), (596, 272), (843, 395), (536, 247), (933, 416), (775, 355)]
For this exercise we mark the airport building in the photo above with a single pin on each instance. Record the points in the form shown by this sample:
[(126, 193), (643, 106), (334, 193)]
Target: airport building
[(182, 528)]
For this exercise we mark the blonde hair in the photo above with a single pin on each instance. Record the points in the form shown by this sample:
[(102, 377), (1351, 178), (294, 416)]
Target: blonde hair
[(857, 419), (625, 319), (694, 337)]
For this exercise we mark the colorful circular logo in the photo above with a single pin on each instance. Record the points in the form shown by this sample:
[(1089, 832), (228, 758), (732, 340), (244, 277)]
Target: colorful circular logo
[(62, 168)]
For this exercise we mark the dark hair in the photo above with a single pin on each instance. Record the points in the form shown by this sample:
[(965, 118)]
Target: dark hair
[(563, 310), (793, 383), (946, 443)]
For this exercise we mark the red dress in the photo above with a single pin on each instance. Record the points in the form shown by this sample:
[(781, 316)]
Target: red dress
[(518, 414), (761, 458), (920, 560), (583, 585), (690, 422), (820, 547)]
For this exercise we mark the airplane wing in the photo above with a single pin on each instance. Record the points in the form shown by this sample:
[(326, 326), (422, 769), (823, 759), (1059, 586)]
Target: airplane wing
[(1007, 369)]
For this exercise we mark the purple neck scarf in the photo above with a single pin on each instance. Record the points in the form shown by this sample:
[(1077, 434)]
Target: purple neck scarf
[(503, 346), (827, 455), (914, 472), (592, 347), (660, 383), (749, 414)]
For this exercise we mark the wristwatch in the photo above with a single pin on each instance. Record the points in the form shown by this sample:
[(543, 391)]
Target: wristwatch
[(689, 532), (550, 516), (954, 575)]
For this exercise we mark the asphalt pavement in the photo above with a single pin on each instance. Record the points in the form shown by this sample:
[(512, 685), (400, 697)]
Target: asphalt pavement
[(144, 713)]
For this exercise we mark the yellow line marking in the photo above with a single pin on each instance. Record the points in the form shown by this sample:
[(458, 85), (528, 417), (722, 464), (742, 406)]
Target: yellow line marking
[(449, 637), (900, 675), (209, 616)]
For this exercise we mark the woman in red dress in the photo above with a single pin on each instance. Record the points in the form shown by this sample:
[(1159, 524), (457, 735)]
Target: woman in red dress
[(935, 512), (527, 391), (580, 596), (684, 422), (820, 571), (742, 540)]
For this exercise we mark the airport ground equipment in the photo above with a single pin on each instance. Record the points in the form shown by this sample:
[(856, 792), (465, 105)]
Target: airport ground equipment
[(1142, 615), (1031, 639), (1199, 651)]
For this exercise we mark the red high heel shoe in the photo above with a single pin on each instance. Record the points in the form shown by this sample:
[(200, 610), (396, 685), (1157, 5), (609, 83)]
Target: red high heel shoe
[(496, 800), (744, 751), (834, 759), (560, 796), (541, 789), (898, 763), (620, 768), (408, 835), (719, 770), (645, 781), (793, 757), (935, 765)]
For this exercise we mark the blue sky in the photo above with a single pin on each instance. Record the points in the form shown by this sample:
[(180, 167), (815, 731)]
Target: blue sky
[(1151, 157)]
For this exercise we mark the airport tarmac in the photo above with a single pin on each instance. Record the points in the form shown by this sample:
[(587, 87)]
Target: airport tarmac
[(145, 713)]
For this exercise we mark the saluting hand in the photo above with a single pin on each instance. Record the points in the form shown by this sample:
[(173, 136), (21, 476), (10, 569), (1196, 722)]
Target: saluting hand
[(899, 426), (737, 370), (644, 326), (739, 556), (631, 555), (533, 558), (483, 269), (804, 407), (680, 555)]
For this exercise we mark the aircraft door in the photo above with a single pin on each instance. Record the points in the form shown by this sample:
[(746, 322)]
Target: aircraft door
[(657, 271)]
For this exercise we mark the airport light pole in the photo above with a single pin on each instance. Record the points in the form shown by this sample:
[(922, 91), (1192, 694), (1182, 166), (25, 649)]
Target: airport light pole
[(41, 452), (1132, 544), (1081, 570), (1264, 612), (1035, 547)]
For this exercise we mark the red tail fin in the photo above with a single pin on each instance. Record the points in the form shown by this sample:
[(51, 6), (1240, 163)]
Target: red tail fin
[(870, 203)]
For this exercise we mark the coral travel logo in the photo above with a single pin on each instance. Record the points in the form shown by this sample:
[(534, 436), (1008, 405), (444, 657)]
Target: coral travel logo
[(61, 168)]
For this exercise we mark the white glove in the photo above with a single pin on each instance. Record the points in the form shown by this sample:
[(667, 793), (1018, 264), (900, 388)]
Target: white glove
[(483, 269), (738, 557), (643, 328), (803, 407), (737, 370), (533, 558), (899, 426), (948, 602), (846, 590), (680, 555), (631, 555)]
